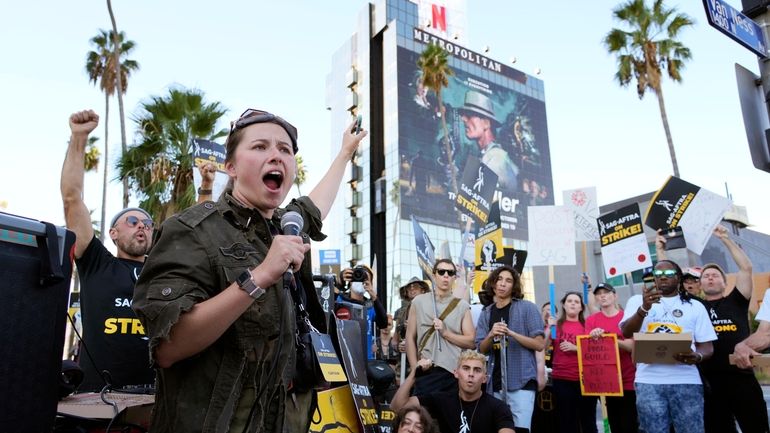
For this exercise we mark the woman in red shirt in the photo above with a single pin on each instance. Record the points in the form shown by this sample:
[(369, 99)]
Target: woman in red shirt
[(576, 413)]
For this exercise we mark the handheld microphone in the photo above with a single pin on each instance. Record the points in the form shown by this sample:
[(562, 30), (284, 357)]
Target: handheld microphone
[(291, 224)]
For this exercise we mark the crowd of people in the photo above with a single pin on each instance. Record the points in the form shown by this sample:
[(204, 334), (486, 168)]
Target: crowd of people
[(211, 318)]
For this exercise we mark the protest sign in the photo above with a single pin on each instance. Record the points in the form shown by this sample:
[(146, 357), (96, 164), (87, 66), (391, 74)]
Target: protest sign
[(426, 256), (583, 202), (209, 151), (624, 245), (551, 235), (511, 257), (696, 210), (336, 412), (351, 352), (599, 365), (476, 189)]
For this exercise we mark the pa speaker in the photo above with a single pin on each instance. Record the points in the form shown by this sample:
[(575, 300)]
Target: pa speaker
[(35, 272)]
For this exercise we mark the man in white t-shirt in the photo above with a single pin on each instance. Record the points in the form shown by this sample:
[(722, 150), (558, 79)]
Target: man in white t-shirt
[(757, 341), (669, 394)]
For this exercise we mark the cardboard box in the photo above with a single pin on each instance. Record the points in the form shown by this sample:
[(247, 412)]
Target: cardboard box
[(756, 361), (660, 348)]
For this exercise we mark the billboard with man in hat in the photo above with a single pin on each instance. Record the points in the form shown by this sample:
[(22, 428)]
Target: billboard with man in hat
[(498, 119)]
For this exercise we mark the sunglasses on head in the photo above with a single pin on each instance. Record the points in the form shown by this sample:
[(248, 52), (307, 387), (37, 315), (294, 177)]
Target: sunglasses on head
[(252, 116), (443, 272), (662, 272), (133, 221)]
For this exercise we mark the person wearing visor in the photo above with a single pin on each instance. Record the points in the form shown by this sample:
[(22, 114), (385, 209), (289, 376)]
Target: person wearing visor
[(113, 338), (221, 291), (691, 281)]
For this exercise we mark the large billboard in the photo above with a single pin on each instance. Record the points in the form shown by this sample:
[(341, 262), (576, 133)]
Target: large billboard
[(503, 128)]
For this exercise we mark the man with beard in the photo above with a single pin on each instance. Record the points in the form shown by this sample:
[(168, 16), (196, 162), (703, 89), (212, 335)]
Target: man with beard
[(113, 338), (669, 394), (734, 394)]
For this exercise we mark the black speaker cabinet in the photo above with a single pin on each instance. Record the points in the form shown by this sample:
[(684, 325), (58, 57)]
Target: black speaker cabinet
[(35, 273)]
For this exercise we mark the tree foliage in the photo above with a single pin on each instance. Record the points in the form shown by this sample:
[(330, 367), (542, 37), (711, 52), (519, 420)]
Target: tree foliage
[(159, 168)]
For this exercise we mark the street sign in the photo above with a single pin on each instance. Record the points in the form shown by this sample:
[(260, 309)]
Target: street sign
[(736, 26), (754, 116)]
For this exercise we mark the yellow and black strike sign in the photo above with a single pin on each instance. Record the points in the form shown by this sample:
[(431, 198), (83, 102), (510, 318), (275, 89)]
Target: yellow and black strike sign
[(476, 190), (624, 246), (668, 205), (327, 358), (337, 412)]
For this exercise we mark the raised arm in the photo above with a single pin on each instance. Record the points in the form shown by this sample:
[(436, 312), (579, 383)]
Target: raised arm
[(660, 245), (744, 283), (76, 214), (208, 172), (325, 192)]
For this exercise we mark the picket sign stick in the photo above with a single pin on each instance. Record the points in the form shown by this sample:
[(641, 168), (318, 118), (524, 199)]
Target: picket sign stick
[(585, 267), (435, 312), (605, 417), (552, 295), (403, 367), (463, 237)]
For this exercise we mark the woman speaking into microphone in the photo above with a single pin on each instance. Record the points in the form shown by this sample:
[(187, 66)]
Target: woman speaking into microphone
[(213, 296)]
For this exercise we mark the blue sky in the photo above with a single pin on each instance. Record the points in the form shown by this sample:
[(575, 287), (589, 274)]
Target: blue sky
[(275, 56)]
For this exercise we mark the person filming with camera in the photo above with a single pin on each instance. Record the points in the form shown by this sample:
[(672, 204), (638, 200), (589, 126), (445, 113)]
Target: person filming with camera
[(357, 281)]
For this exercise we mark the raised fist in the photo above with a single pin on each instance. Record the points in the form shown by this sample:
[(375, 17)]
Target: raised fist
[(83, 122)]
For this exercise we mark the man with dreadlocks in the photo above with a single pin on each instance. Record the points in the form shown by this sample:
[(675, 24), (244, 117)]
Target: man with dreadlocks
[(669, 394)]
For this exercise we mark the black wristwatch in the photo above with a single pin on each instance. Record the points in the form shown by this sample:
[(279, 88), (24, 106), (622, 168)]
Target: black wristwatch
[(246, 283)]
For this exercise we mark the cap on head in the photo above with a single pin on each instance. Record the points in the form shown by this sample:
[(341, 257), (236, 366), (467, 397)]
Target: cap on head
[(606, 286), (695, 272), (479, 104), (423, 286), (126, 210)]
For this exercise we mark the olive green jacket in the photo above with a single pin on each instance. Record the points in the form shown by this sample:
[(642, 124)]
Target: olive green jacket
[(197, 254)]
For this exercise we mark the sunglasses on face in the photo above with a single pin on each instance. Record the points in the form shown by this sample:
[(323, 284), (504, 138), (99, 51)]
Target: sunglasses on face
[(252, 116), (662, 272), (132, 221), (443, 272)]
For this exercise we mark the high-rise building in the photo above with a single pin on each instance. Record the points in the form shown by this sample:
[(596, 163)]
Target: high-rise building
[(487, 111)]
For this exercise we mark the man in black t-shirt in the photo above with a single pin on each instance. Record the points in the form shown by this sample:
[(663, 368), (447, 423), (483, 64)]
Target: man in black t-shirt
[(113, 338), (472, 410), (735, 394)]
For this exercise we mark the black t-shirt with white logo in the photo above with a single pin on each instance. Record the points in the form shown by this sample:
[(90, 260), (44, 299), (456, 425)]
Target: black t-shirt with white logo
[(495, 315), (113, 335), (730, 318), (487, 414)]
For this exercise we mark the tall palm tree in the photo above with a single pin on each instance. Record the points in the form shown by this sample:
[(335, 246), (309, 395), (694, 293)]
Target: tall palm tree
[(301, 174), (648, 47), (160, 167), (434, 65), (99, 66), (119, 81)]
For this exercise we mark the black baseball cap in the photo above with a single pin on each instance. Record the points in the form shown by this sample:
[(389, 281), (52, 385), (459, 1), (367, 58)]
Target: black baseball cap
[(605, 286)]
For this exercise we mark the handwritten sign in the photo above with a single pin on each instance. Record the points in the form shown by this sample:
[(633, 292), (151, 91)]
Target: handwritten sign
[(599, 365), (583, 202), (551, 236)]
